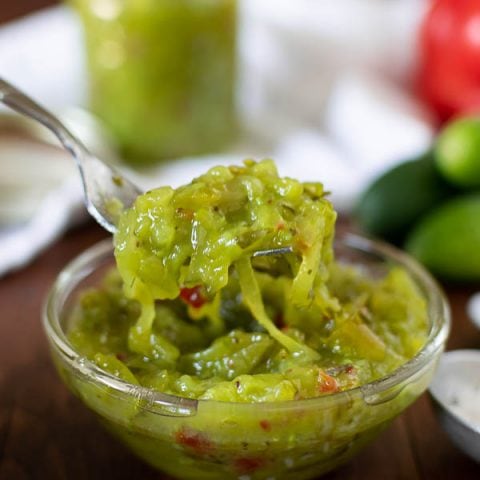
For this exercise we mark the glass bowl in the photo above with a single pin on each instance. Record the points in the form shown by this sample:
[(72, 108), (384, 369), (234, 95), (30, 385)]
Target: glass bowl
[(205, 439)]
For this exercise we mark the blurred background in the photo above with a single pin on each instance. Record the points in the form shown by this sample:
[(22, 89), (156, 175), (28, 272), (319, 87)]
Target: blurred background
[(374, 98)]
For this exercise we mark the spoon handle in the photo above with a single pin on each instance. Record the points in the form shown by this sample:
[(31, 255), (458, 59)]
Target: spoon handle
[(18, 101), (106, 191)]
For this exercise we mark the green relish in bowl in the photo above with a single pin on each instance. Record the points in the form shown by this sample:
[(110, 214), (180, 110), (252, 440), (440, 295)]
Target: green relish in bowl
[(213, 363)]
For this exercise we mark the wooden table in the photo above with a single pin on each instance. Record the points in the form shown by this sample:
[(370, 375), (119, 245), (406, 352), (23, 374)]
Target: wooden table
[(11, 9), (46, 434)]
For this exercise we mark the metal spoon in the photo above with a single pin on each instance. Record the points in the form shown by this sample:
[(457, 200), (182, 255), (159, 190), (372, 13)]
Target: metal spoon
[(104, 187)]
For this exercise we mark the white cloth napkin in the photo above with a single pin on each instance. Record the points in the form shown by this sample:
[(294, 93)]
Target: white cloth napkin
[(323, 90)]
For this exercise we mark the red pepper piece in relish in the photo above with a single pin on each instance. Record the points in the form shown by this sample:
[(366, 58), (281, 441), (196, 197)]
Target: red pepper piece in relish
[(194, 440), (265, 425), (326, 383), (245, 465), (193, 296)]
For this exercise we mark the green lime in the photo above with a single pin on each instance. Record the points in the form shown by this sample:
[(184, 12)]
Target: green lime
[(447, 241), (397, 199), (457, 152)]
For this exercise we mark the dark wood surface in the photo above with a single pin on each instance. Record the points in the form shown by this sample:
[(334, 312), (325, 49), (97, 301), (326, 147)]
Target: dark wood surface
[(46, 434), (11, 9)]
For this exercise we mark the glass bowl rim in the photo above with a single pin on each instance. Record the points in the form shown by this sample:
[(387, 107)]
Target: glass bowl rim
[(166, 404)]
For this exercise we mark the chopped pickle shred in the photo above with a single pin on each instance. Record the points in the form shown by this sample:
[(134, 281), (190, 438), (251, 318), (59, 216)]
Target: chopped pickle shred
[(189, 311)]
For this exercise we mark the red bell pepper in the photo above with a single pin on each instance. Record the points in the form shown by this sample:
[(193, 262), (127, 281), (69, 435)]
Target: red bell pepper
[(449, 63)]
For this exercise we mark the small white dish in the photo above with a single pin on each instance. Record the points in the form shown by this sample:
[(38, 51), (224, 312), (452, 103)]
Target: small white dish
[(456, 396), (473, 309)]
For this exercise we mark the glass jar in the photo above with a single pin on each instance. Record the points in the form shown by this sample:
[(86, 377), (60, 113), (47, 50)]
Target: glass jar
[(162, 74)]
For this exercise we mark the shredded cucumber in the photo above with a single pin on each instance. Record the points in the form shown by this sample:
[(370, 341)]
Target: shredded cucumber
[(189, 311)]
